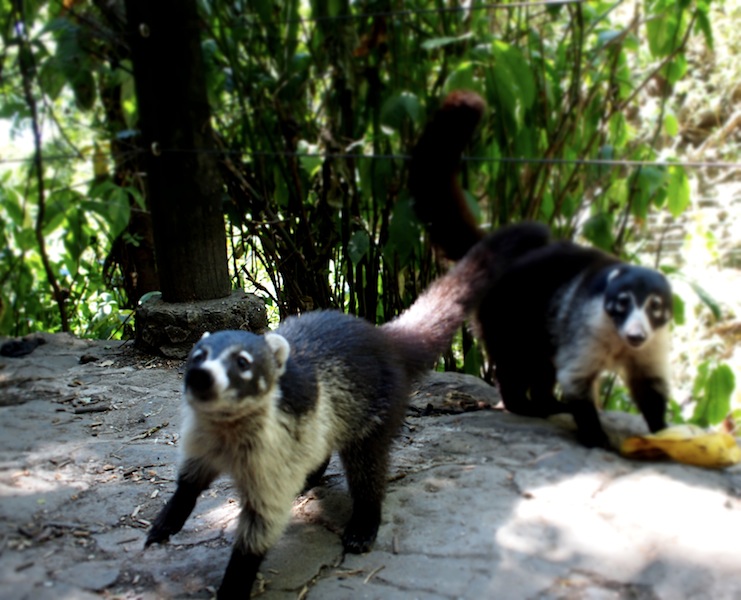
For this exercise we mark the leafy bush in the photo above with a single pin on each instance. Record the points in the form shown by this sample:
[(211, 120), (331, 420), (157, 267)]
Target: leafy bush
[(316, 108)]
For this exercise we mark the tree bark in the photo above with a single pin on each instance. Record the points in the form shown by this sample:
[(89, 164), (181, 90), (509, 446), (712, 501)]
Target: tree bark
[(184, 184)]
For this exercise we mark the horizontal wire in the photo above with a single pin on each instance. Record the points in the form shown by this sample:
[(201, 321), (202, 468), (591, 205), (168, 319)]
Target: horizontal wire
[(423, 11), (605, 162)]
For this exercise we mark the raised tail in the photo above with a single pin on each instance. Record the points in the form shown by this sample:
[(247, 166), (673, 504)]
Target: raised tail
[(439, 201), (425, 330)]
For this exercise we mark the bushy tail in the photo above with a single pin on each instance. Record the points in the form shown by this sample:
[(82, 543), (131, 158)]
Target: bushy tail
[(426, 329), (433, 177)]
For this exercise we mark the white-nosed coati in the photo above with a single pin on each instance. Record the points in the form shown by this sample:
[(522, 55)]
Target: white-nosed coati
[(269, 410), (562, 313)]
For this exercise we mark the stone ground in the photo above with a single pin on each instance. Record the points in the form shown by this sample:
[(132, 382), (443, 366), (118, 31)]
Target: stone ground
[(481, 503)]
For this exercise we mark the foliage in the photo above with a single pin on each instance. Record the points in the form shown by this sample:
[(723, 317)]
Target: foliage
[(316, 104)]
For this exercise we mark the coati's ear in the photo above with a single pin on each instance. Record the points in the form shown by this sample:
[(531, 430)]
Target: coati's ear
[(614, 273), (205, 334), (281, 349)]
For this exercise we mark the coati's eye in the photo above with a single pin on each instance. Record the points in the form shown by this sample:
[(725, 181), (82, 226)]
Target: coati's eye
[(622, 302), (198, 356), (656, 307), (243, 361)]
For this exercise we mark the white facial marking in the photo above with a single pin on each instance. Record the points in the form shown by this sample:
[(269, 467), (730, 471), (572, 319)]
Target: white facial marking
[(655, 307), (614, 273), (244, 364), (636, 325)]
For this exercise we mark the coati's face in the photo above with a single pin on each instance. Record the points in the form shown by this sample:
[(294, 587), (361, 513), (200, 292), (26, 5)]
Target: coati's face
[(639, 302), (231, 371)]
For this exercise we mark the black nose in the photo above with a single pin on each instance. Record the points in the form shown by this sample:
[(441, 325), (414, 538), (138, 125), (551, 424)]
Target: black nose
[(199, 381), (636, 339)]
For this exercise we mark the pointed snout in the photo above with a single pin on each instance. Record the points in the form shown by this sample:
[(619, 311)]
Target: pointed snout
[(637, 329), (636, 339), (199, 383)]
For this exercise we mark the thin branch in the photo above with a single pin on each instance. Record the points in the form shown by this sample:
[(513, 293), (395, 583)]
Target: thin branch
[(25, 59)]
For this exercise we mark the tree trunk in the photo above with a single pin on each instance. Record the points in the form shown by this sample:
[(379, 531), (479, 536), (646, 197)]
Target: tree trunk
[(185, 187)]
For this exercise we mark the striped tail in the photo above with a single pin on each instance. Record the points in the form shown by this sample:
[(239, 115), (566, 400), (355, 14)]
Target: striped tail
[(439, 202)]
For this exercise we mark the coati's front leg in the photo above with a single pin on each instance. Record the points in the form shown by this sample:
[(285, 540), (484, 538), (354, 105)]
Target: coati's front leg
[(256, 533), (577, 395), (194, 477), (650, 394)]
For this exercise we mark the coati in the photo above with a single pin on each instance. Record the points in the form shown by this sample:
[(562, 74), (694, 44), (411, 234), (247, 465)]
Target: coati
[(270, 409), (562, 313)]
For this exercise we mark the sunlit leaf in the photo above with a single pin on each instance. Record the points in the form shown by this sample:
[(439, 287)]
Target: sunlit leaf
[(678, 191), (513, 78), (671, 125), (712, 389), (434, 43), (707, 300), (678, 309)]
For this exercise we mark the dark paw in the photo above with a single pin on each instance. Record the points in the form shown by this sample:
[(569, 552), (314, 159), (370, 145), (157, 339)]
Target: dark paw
[(593, 439), (357, 540), (157, 536)]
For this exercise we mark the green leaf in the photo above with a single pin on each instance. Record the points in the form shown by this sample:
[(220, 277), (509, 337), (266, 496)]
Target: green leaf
[(703, 24), (598, 230), (473, 362), (713, 390), (110, 202), (720, 386), (661, 31), (675, 69), (440, 42), (461, 78), (671, 125), (678, 191), (473, 205), (51, 78), (707, 300), (404, 231), (10, 202), (400, 107), (358, 246), (678, 308), (310, 164), (514, 80)]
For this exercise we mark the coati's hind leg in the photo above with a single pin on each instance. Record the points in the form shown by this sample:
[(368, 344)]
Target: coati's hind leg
[(543, 381), (517, 376), (193, 478), (315, 478), (366, 467)]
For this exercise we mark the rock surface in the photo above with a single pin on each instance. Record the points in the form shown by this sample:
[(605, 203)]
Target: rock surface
[(481, 503)]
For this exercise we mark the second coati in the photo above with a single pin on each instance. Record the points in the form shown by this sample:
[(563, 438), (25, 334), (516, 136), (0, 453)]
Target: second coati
[(269, 410), (562, 313)]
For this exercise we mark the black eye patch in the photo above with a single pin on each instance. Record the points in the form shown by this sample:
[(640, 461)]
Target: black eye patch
[(620, 304), (243, 362), (199, 355)]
